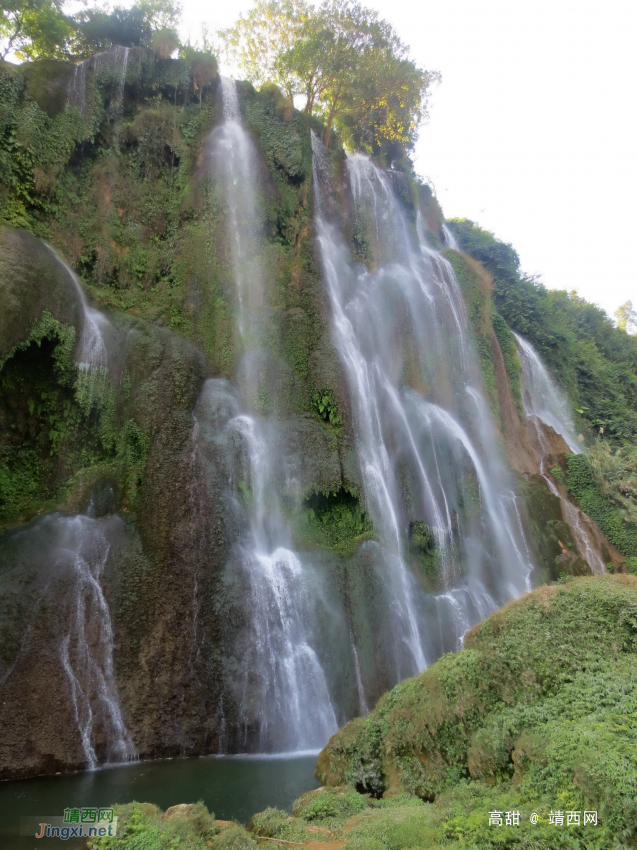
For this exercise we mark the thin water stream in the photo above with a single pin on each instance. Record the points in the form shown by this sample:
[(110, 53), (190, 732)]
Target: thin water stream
[(544, 403)]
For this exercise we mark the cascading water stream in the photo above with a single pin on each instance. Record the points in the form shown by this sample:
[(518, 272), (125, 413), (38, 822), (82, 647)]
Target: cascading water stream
[(86, 652), (402, 335), (116, 61), (92, 349), (544, 403), (234, 162), (92, 353), (282, 693), (542, 398), (450, 239), (59, 563)]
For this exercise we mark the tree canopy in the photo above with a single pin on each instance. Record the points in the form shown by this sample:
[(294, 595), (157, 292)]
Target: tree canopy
[(350, 66), (148, 23), (40, 28), (31, 28), (626, 317), (348, 63)]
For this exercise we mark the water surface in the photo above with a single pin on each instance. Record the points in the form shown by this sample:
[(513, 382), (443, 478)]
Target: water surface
[(232, 788)]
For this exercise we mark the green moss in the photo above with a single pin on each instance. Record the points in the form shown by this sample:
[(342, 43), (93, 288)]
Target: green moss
[(558, 474), (423, 549), (521, 703), (511, 359), (610, 518), (333, 520)]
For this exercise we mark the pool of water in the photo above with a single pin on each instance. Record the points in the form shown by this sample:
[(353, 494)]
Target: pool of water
[(233, 788)]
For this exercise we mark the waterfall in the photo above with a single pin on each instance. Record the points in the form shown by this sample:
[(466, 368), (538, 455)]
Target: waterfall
[(281, 690), (545, 403), (234, 163), (76, 94), (119, 102), (87, 650), (92, 348), (450, 239), (59, 562), (116, 62), (279, 684), (424, 434), (542, 398)]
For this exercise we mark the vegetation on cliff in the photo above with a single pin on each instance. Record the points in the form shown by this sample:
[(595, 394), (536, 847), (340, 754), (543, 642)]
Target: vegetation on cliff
[(538, 709), (594, 361)]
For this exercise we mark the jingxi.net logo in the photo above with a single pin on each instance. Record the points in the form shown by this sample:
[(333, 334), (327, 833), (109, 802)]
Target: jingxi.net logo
[(89, 822)]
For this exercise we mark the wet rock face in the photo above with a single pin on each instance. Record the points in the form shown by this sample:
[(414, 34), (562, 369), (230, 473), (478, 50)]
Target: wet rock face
[(59, 708), (31, 281)]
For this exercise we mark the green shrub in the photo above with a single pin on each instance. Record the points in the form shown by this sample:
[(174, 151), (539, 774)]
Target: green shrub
[(542, 700), (557, 473), (333, 520), (336, 804), (142, 826), (324, 405), (275, 823), (613, 521)]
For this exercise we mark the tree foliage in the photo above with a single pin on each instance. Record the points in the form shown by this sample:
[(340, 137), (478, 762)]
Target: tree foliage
[(39, 28), (31, 28), (626, 317), (259, 38), (149, 23), (349, 64)]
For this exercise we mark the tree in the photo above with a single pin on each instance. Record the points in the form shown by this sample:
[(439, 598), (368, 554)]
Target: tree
[(257, 40), (389, 104), (348, 63), (164, 42), (203, 67), (626, 317), (32, 28), (149, 23)]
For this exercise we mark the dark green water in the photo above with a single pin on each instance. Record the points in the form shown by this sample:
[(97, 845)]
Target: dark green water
[(232, 788)]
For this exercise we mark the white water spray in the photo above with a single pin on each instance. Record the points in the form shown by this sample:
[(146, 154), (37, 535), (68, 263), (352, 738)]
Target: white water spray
[(86, 652), (402, 334), (545, 403)]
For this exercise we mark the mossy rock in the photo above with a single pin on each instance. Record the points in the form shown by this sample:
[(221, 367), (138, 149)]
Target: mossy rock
[(520, 702), (47, 82), (32, 280)]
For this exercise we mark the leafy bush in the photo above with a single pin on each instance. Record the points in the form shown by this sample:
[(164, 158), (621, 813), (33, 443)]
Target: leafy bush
[(275, 823), (615, 472), (541, 702), (329, 804), (335, 520), (326, 408), (614, 522), (142, 826)]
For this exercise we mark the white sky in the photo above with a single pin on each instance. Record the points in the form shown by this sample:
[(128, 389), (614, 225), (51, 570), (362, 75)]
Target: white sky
[(533, 131)]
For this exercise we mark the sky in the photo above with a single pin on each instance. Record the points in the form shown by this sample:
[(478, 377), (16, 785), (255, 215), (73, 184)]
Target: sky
[(532, 132)]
